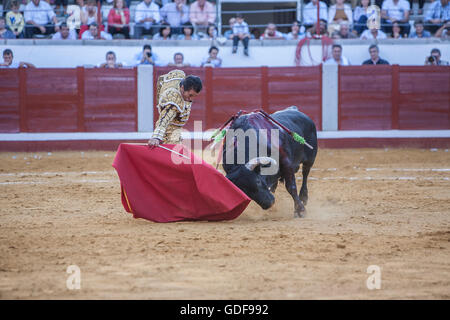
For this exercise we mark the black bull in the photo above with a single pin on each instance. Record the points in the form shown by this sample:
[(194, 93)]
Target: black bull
[(247, 174)]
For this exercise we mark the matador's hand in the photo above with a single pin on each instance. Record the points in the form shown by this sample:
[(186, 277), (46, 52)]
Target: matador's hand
[(153, 142)]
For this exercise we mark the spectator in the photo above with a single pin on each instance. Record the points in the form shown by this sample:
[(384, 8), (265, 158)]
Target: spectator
[(374, 56), (310, 13), (111, 61), (444, 31), (38, 16), (146, 17), (337, 58), (119, 19), (371, 34), (211, 33), (5, 33), (65, 33), (229, 33), (201, 14), (188, 32), (175, 13), (165, 32), (344, 32), (271, 33), (58, 4), (89, 13), (438, 12), (340, 12), (396, 31), (146, 56), (8, 61), (93, 34), (14, 20), (240, 33), (435, 59), (323, 29), (178, 61), (296, 33), (395, 11), (212, 59), (419, 31), (360, 16)]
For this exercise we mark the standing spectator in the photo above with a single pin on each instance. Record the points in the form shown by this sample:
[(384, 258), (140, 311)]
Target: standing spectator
[(240, 33), (396, 31), (360, 16), (374, 56), (201, 14), (188, 32), (323, 29), (310, 13), (146, 56), (371, 34), (438, 12), (337, 58), (14, 20), (65, 33), (8, 61), (444, 31), (435, 58), (395, 11), (212, 59), (38, 16), (119, 19), (93, 34), (229, 33), (165, 32), (271, 33), (89, 13), (111, 61), (296, 33), (178, 61), (340, 12), (146, 17), (344, 32), (5, 33), (419, 31), (175, 13)]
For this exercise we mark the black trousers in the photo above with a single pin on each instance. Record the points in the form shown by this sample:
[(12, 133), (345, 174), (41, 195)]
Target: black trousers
[(244, 41), (31, 30), (124, 30)]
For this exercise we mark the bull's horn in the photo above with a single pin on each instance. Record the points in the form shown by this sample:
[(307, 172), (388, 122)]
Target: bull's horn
[(253, 163)]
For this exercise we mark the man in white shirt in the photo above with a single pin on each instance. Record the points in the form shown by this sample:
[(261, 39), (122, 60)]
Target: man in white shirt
[(146, 17), (65, 33), (310, 13), (92, 33), (373, 34), (395, 11), (8, 61), (337, 58), (175, 13), (39, 18)]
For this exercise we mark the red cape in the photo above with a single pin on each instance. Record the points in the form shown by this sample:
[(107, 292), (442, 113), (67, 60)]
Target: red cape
[(157, 189)]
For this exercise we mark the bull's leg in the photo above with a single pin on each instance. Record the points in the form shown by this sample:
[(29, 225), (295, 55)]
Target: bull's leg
[(304, 189), (273, 187), (291, 187)]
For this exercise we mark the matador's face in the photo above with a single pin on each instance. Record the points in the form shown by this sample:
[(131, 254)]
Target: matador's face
[(188, 95)]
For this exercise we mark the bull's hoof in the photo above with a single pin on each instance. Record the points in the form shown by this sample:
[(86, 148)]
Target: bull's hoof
[(299, 215)]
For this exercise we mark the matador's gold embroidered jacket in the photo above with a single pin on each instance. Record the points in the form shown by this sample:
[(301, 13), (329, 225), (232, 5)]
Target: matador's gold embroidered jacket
[(173, 110)]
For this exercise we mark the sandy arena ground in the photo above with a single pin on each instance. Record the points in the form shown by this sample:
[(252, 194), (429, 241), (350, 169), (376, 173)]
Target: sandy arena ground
[(389, 208)]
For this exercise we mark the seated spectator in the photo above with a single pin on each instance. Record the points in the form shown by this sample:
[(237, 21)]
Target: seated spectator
[(374, 56), (395, 11), (240, 33), (340, 12), (396, 31), (14, 20), (212, 59), (8, 61), (146, 17), (39, 17), (111, 61), (419, 31), (371, 34), (201, 14), (434, 59), (175, 13), (178, 61), (188, 32), (211, 33), (5, 33), (337, 58), (344, 32), (165, 32), (323, 29), (58, 4), (229, 33), (444, 31), (92, 33), (438, 12), (310, 13), (360, 16), (89, 13), (119, 19), (296, 33), (146, 56), (65, 33), (271, 33)]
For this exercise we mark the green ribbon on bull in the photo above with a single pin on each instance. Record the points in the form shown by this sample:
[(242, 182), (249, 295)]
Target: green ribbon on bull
[(300, 139), (219, 135)]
